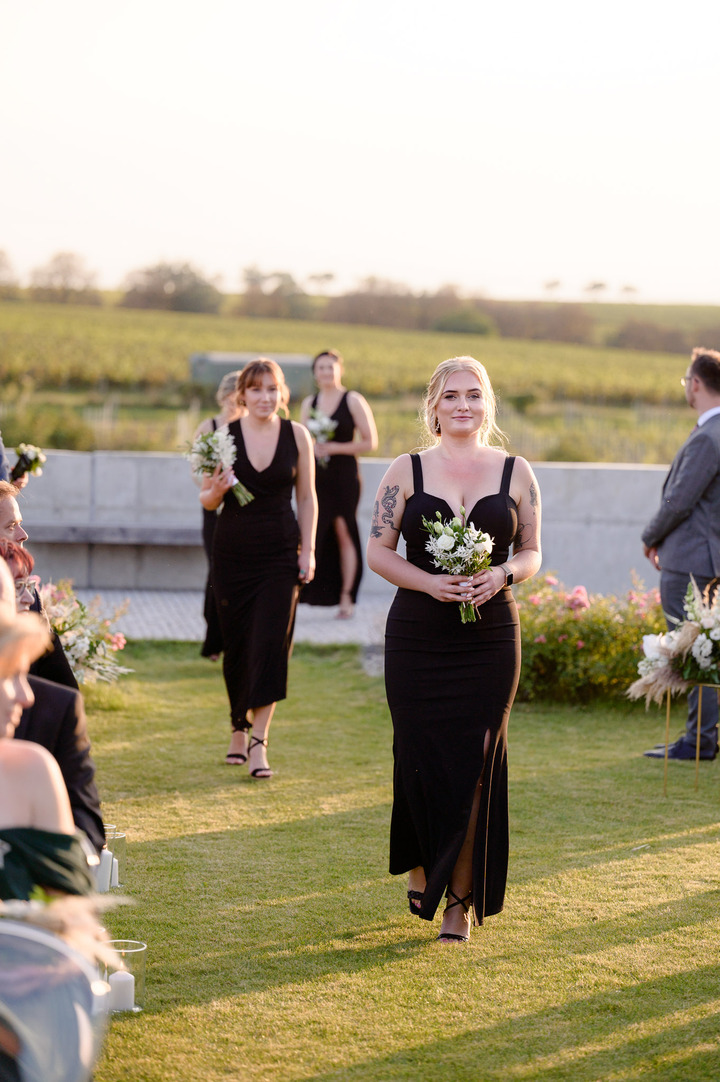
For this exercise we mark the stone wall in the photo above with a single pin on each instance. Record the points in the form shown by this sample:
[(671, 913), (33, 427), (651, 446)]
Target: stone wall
[(132, 521)]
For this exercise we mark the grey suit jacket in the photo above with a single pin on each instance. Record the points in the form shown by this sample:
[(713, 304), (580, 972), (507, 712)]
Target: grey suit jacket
[(686, 529)]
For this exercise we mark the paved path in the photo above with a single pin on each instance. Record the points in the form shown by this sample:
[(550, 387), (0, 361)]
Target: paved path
[(167, 614)]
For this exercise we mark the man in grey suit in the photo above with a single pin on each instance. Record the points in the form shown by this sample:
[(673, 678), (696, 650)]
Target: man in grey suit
[(683, 538)]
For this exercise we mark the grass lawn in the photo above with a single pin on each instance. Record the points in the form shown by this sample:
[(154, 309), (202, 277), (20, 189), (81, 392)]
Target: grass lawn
[(279, 948)]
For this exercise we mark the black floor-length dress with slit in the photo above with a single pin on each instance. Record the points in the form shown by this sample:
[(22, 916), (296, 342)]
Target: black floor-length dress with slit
[(212, 644), (255, 577), (449, 685), (337, 483)]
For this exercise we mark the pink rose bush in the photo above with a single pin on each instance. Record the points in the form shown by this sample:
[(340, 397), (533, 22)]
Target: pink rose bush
[(89, 644), (578, 646)]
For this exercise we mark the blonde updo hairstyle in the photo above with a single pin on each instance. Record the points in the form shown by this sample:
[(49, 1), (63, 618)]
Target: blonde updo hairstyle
[(252, 374), (490, 433), (227, 386)]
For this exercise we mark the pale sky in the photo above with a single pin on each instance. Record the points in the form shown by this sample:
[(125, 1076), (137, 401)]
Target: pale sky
[(494, 146)]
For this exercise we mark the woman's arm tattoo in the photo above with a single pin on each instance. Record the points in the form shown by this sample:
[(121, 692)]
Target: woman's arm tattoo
[(533, 495), (389, 503)]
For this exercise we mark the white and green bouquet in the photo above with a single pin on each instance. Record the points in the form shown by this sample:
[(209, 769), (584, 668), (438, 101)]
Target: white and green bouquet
[(687, 655), (31, 459), (460, 549), (215, 449), (322, 429)]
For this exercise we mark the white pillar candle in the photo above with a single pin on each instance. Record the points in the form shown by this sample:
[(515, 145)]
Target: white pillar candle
[(104, 871), (114, 874), (122, 991)]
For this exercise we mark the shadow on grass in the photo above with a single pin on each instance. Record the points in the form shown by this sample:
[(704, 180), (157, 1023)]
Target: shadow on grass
[(644, 1028)]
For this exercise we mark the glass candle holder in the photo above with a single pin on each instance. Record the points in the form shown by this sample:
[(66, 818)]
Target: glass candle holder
[(127, 986), (117, 844)]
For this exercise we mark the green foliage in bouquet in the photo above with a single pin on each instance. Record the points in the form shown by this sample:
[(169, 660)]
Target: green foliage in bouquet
[(577, 646)]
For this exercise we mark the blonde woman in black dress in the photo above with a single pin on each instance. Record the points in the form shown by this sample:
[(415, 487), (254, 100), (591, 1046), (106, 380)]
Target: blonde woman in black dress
[(337, 481), (227, 399), (450, 685), (261, 554)]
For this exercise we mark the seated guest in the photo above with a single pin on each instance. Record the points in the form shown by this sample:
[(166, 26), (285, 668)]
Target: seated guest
[(53, 665), (56, 719), (38, 842)]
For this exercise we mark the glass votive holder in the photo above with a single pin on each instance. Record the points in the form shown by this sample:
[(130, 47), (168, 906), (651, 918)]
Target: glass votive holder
[(117, 844), (109, 828), (127, 986)]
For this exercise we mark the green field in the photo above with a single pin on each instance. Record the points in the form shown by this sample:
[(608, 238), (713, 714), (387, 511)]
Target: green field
[(280, 949), (115, 378)]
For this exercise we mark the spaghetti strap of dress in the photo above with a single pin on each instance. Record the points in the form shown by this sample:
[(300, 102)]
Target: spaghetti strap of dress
[(417, 473), (507, 474)]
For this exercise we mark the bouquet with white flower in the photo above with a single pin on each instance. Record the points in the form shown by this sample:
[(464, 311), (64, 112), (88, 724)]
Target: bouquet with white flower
[(89, 644), (687, 655), (322, 429), (460, 549), (31, 459), (215, 449)]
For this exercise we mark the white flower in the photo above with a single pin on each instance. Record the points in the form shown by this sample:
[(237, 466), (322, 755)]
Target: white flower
[(702, 651), (446, 542), (715, 634), (651, 646)]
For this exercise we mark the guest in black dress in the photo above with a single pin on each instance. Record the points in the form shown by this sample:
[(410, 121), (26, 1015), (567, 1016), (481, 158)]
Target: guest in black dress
[(337, 481), (229, 411), (261, 554), (451, 685)]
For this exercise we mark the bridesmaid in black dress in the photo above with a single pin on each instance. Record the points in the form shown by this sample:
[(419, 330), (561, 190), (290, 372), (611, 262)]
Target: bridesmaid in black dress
[(450, 685), (261, 554), (337, 481), (226, 398)]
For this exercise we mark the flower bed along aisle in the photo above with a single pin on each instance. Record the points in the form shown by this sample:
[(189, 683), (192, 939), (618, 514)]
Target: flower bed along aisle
[(576, 646)]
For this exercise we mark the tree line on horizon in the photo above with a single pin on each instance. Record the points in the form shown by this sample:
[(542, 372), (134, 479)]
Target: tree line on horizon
[(181, 287)]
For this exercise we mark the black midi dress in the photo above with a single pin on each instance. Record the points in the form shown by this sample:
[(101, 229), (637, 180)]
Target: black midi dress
[(255, 577), (448, 685), (337, 483)]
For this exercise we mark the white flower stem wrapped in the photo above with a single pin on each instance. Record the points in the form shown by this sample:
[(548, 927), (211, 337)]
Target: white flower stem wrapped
[(459, 548), (215, 449)]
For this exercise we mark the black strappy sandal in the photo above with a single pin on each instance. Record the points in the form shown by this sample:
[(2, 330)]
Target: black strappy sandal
[(259, 772), (417, 895), (453, 937), (237, 758)]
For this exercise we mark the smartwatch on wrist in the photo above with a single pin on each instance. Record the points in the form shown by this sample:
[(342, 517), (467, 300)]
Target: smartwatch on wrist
[(509, 577)]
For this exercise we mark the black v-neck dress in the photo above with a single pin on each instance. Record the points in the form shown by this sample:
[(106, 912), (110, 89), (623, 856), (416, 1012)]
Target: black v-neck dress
[(337, 484), (448, 685), (255, 577)]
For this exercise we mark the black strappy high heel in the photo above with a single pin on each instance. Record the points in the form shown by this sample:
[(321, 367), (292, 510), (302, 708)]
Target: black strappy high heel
[(260, 771), (418, 896), (466, 902), (237, 758)]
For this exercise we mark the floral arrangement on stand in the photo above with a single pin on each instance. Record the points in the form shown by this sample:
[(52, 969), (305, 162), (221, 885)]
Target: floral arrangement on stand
[(215, 449), (578, 646), (322, 429), (689, 654), (86, 636), (460, 549)]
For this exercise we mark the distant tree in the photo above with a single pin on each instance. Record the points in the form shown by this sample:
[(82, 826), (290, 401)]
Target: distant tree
[(9, 285), (171, 287), (465, 320), (553, 285), (64, 280), (321, 281), (636, 334), (596, 287), (629, 291)]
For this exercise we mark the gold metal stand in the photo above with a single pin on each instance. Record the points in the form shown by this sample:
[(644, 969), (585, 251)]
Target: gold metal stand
[(697, 743)]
